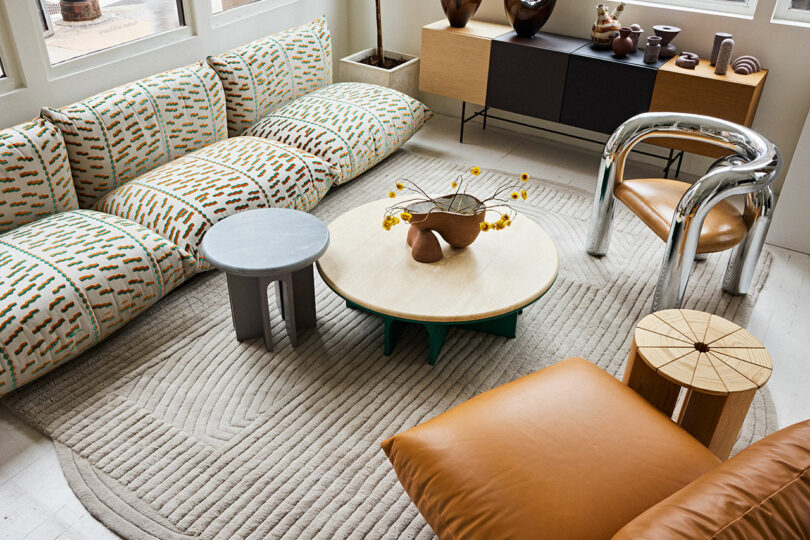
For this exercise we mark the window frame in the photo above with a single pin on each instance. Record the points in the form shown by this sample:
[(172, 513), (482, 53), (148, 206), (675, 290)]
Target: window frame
[(724, 8), (230, 16), (783, 14), (10, 80)]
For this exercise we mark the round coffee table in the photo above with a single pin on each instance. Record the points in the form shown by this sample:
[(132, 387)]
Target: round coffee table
[(719, 363), (258, 247), (483, 287)]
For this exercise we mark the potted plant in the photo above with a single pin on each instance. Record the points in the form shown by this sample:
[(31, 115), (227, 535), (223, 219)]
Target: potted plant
[(385, 68)]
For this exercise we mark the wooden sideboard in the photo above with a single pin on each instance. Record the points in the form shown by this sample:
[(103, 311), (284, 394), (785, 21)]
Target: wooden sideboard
[(565, 80)]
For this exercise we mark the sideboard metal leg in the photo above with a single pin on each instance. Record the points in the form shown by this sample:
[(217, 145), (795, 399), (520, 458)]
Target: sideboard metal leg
[(463, 114), (670, 160), (486, 110)]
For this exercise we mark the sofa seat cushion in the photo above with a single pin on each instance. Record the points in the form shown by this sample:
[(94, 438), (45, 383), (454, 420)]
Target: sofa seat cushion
[(354, 126), (183, 199), (124, 132), (566, 452), (273, 71), (35, 178), (69, 280)]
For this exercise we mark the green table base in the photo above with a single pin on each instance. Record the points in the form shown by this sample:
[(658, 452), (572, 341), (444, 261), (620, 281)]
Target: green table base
[(502, 325)]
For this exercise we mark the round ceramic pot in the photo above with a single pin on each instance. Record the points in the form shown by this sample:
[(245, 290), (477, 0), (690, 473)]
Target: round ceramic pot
[(528, 16), (459, 12), (623, 45)]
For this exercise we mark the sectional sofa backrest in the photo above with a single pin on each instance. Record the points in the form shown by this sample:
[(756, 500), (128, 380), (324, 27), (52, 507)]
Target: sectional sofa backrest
[(271, 72), (35, 179)]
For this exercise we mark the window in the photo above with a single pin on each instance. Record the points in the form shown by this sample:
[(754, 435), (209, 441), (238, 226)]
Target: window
[(74, 29), (792, 12), (218, 6), (731, 8), (2, 71)]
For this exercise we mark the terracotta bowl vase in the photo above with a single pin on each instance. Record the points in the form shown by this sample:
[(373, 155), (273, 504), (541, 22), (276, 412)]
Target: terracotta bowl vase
[(459, 12), (457, 228)]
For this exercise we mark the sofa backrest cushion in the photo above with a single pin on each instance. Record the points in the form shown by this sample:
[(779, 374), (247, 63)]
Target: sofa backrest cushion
[(271, 72), (122, 133), (35, 176), (762, 492)]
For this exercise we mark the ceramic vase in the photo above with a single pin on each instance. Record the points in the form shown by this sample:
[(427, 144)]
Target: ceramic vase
[(652, 50), (635, 33), (459, 12), (667, 34), (719, 37), (606, 27), (528, 16), (623, 45), (457, 227)]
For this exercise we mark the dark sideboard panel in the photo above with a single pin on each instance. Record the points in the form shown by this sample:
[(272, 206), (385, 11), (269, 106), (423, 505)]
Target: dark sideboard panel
[(603, 91), (527, 75)]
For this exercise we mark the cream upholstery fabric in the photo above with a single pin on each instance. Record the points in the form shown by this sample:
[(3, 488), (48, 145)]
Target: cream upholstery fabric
[(125, 132), (71, 279), (353, 126), (271, 72), (35, 176), (183, 199)]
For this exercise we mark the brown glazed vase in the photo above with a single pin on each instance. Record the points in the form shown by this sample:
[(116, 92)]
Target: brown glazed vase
[(456, 228), (528, 16), (459, 12), (623, 45)]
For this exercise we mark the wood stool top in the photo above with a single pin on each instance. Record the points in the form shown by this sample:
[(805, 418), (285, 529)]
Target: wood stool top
[(702, 351)]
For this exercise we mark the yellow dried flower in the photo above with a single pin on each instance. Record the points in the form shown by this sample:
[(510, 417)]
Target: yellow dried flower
[(454, 185), (392, 194), (524, 177), (484, 226), (400, 185), (514, 195), (523, 194), (406, 216), (475, 171), (500, 225)]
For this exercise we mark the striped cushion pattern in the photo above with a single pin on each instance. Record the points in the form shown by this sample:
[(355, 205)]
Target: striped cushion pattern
[(35, 178), (353, 126), (125, 132), (270, 72), (71, 279), (183, 199)]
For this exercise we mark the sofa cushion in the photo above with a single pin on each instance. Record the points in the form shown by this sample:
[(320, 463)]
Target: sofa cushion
[(183, 199), (762, 492), (566, 452), (271, 72), (354, 126), (35, 176), (71, 279), (125, 132)]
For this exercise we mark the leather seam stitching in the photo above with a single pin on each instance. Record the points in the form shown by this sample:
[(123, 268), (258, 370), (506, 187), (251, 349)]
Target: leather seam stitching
[(761, 502)]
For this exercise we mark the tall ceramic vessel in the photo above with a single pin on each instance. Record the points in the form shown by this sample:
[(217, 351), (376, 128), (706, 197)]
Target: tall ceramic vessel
[(459, 12), (606, 27), (667, 34), (528, 16)]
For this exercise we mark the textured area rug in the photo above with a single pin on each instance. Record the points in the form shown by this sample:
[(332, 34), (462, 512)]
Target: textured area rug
[(173, 429)]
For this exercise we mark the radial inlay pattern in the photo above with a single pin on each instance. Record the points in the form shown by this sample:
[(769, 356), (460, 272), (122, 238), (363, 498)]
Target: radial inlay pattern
[(702, 351)]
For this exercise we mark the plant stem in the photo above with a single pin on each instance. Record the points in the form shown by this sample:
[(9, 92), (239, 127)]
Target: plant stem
[(380, 51)]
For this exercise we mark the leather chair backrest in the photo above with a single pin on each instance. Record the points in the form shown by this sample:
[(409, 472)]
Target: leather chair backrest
[(762, 492)]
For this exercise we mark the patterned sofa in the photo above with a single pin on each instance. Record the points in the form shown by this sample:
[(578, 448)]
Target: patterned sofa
[(105, 201)]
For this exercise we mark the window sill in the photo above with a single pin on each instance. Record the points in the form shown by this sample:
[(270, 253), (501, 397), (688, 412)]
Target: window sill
[(790, 22), (746, 14), (249, 11)]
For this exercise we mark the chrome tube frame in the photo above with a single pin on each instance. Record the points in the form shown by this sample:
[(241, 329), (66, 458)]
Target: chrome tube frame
[(750, 171)]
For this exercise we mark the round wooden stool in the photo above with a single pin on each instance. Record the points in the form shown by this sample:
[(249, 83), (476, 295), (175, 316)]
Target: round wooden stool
[(719, 363)]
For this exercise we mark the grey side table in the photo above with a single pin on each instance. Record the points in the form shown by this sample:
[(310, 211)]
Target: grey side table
[(258, 247)]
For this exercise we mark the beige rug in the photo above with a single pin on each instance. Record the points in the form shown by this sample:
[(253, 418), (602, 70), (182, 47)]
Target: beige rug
[(173, 429)]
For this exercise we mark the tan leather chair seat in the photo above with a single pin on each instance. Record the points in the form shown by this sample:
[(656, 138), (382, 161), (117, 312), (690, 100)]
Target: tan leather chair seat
[(566, 452), (654, 201)]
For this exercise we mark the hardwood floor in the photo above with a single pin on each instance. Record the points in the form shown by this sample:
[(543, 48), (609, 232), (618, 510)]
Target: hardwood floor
[(36, 502)]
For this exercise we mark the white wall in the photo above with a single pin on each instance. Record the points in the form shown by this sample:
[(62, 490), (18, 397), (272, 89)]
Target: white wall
[(783, 49), (791, 223), (38, 84)]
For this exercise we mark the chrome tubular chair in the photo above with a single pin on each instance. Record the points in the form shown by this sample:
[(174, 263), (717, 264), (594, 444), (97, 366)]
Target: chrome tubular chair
[(702, 220)]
